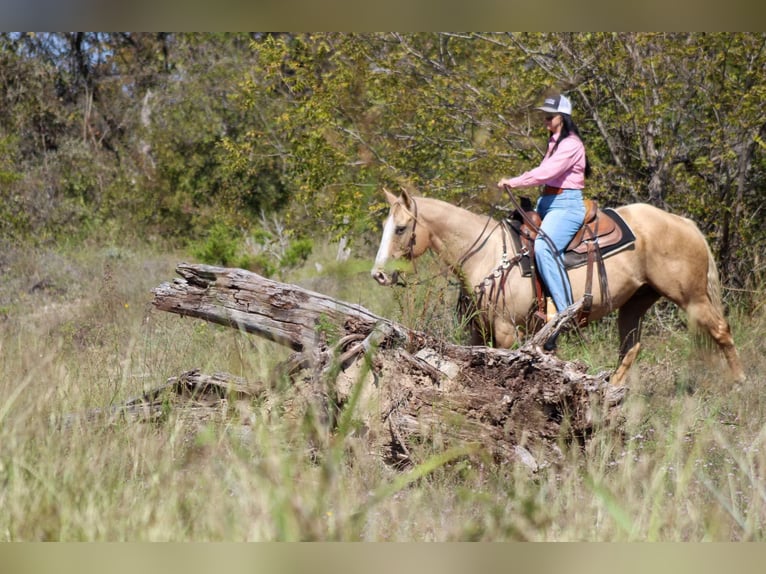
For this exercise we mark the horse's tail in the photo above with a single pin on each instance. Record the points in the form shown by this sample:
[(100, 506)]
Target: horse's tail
[(715, 314), (710, 315), (713, 281)]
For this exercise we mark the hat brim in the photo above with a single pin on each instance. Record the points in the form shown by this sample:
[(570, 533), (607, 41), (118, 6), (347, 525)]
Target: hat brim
[(548, 109)]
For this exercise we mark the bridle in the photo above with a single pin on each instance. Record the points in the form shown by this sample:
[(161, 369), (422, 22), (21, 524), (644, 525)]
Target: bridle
[(398, 280), (479, 243), (413, 239)]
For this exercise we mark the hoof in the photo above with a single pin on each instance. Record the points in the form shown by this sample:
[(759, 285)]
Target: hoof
[(550, 345)]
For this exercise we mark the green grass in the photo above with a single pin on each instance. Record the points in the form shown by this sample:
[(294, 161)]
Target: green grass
[(77, 332)]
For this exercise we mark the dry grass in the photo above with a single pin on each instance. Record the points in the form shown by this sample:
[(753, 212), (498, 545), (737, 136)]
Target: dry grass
[(78, 332)]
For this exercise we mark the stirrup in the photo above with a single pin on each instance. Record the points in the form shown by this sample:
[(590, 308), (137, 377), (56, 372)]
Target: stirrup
[(550, 311)]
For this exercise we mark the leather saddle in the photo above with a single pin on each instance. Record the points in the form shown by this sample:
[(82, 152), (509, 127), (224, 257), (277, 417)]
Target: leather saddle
[(603, 225), (602, 233)]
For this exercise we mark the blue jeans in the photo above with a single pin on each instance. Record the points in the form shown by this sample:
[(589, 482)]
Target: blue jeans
[(562, 215)]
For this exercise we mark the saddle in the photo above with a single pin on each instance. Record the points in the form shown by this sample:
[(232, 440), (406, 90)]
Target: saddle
[(603, 233)]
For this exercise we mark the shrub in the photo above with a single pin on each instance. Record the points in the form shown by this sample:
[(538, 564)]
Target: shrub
[(220, 247), (263, 251)]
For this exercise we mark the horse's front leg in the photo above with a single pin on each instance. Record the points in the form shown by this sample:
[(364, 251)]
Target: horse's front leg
[(505, 334), (480, 334), (473, 320), (500, 330)]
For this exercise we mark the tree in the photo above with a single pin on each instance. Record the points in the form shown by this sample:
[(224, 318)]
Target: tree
[(678, 122), (671, 119), (365, 110), (174, 132), (506, 401)]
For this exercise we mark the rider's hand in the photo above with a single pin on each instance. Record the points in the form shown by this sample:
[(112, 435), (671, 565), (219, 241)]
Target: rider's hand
[(503, 182)]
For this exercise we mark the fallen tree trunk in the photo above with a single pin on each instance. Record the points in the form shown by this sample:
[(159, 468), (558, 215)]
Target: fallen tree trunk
[(515, 403)]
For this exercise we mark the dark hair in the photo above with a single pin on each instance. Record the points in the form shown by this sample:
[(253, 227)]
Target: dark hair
[(568, 127)]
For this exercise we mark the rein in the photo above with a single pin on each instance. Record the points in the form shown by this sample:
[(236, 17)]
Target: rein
[(489, 282), (475, 247), (399, 281), (493, 285)]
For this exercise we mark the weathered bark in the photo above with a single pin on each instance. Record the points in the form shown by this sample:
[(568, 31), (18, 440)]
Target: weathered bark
[(415, 387), (287, 314), (204, 395)]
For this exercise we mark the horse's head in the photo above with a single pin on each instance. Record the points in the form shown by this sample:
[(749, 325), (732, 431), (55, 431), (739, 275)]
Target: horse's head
[(403, 237)]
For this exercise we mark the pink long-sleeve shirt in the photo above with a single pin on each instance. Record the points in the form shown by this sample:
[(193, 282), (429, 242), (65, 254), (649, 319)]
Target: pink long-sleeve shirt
[(564, 169)]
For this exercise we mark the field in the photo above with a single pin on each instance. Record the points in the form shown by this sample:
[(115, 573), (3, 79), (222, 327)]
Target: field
[(78, 332)]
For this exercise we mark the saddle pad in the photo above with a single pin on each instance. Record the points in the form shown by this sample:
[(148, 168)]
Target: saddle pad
[(572, 259)]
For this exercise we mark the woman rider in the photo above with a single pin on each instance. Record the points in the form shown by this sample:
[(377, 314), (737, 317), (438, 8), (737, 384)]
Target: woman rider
[(562, 172)]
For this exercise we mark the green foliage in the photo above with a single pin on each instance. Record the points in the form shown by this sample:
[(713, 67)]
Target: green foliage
[(198, 171), (8, 159), (297, 253), (164, 135), (220, 247), (450, 113), (372, 110), (261, 251)]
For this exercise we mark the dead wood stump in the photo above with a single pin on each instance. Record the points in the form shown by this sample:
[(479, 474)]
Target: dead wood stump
[(514, 404)]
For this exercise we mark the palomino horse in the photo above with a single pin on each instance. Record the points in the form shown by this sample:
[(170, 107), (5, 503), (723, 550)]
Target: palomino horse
[(670, 258)]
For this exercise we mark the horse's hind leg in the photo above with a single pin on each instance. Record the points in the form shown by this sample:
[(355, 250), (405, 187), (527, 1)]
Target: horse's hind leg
[(629, 317), (704, 316)]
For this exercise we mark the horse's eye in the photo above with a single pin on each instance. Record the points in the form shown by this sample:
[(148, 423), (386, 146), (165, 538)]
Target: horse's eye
[(400, 229)]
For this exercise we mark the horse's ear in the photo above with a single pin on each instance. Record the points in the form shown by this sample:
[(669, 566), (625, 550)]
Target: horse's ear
[(390, 197), (406, 198)]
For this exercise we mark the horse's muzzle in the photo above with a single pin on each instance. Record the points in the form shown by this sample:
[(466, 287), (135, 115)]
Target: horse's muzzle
[(381, 278)]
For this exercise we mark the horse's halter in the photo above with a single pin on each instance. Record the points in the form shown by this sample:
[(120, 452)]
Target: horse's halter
[(411, 243), (410, 254), (477, 246)]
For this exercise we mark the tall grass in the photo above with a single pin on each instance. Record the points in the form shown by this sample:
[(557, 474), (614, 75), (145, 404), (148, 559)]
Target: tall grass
[(77, 332)]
